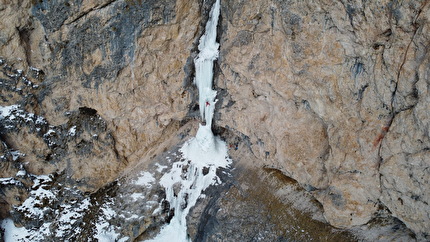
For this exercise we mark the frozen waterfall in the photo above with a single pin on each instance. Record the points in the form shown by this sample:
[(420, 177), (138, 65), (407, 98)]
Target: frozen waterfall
[(202, 154)]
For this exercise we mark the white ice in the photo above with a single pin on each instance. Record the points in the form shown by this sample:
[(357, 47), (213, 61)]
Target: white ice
[(208, 48), (13, 233), (202, 154)]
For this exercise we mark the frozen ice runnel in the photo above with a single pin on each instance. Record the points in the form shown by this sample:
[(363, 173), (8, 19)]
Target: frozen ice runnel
[(205, 152)]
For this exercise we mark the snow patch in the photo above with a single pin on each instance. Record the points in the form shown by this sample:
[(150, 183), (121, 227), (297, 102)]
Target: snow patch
[(21, 173), (105, 232), (10, 181), (160, 168), (72, 131), (13, 112), (16, 154), (33, 206), (7, 110), (145, 179), (34, 69), (137, 196)]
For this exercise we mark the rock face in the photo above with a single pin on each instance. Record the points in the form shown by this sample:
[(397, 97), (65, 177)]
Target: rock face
[(123, 60), (334, 95)]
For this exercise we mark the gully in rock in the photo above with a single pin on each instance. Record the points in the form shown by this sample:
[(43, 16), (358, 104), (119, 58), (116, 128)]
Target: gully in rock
[(201, 155)]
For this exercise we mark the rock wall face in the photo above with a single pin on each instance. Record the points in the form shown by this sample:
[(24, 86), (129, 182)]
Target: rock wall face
[(124, 60), (333, 94)]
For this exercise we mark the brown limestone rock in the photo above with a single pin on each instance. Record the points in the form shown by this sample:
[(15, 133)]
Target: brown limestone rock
[(315, 86), (333, 94)]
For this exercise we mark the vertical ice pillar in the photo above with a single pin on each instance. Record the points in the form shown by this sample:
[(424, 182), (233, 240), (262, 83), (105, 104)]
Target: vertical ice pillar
[(204, 152), (208, 48)]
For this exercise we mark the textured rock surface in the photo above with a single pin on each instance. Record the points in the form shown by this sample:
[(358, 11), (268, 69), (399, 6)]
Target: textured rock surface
[(79, 146), (122, 59), (99, 85), (265, 205), (317, 86), (333, 94)]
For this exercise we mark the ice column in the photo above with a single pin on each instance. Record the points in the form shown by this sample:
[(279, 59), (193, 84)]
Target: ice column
[(208, 48), (202, 154)]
